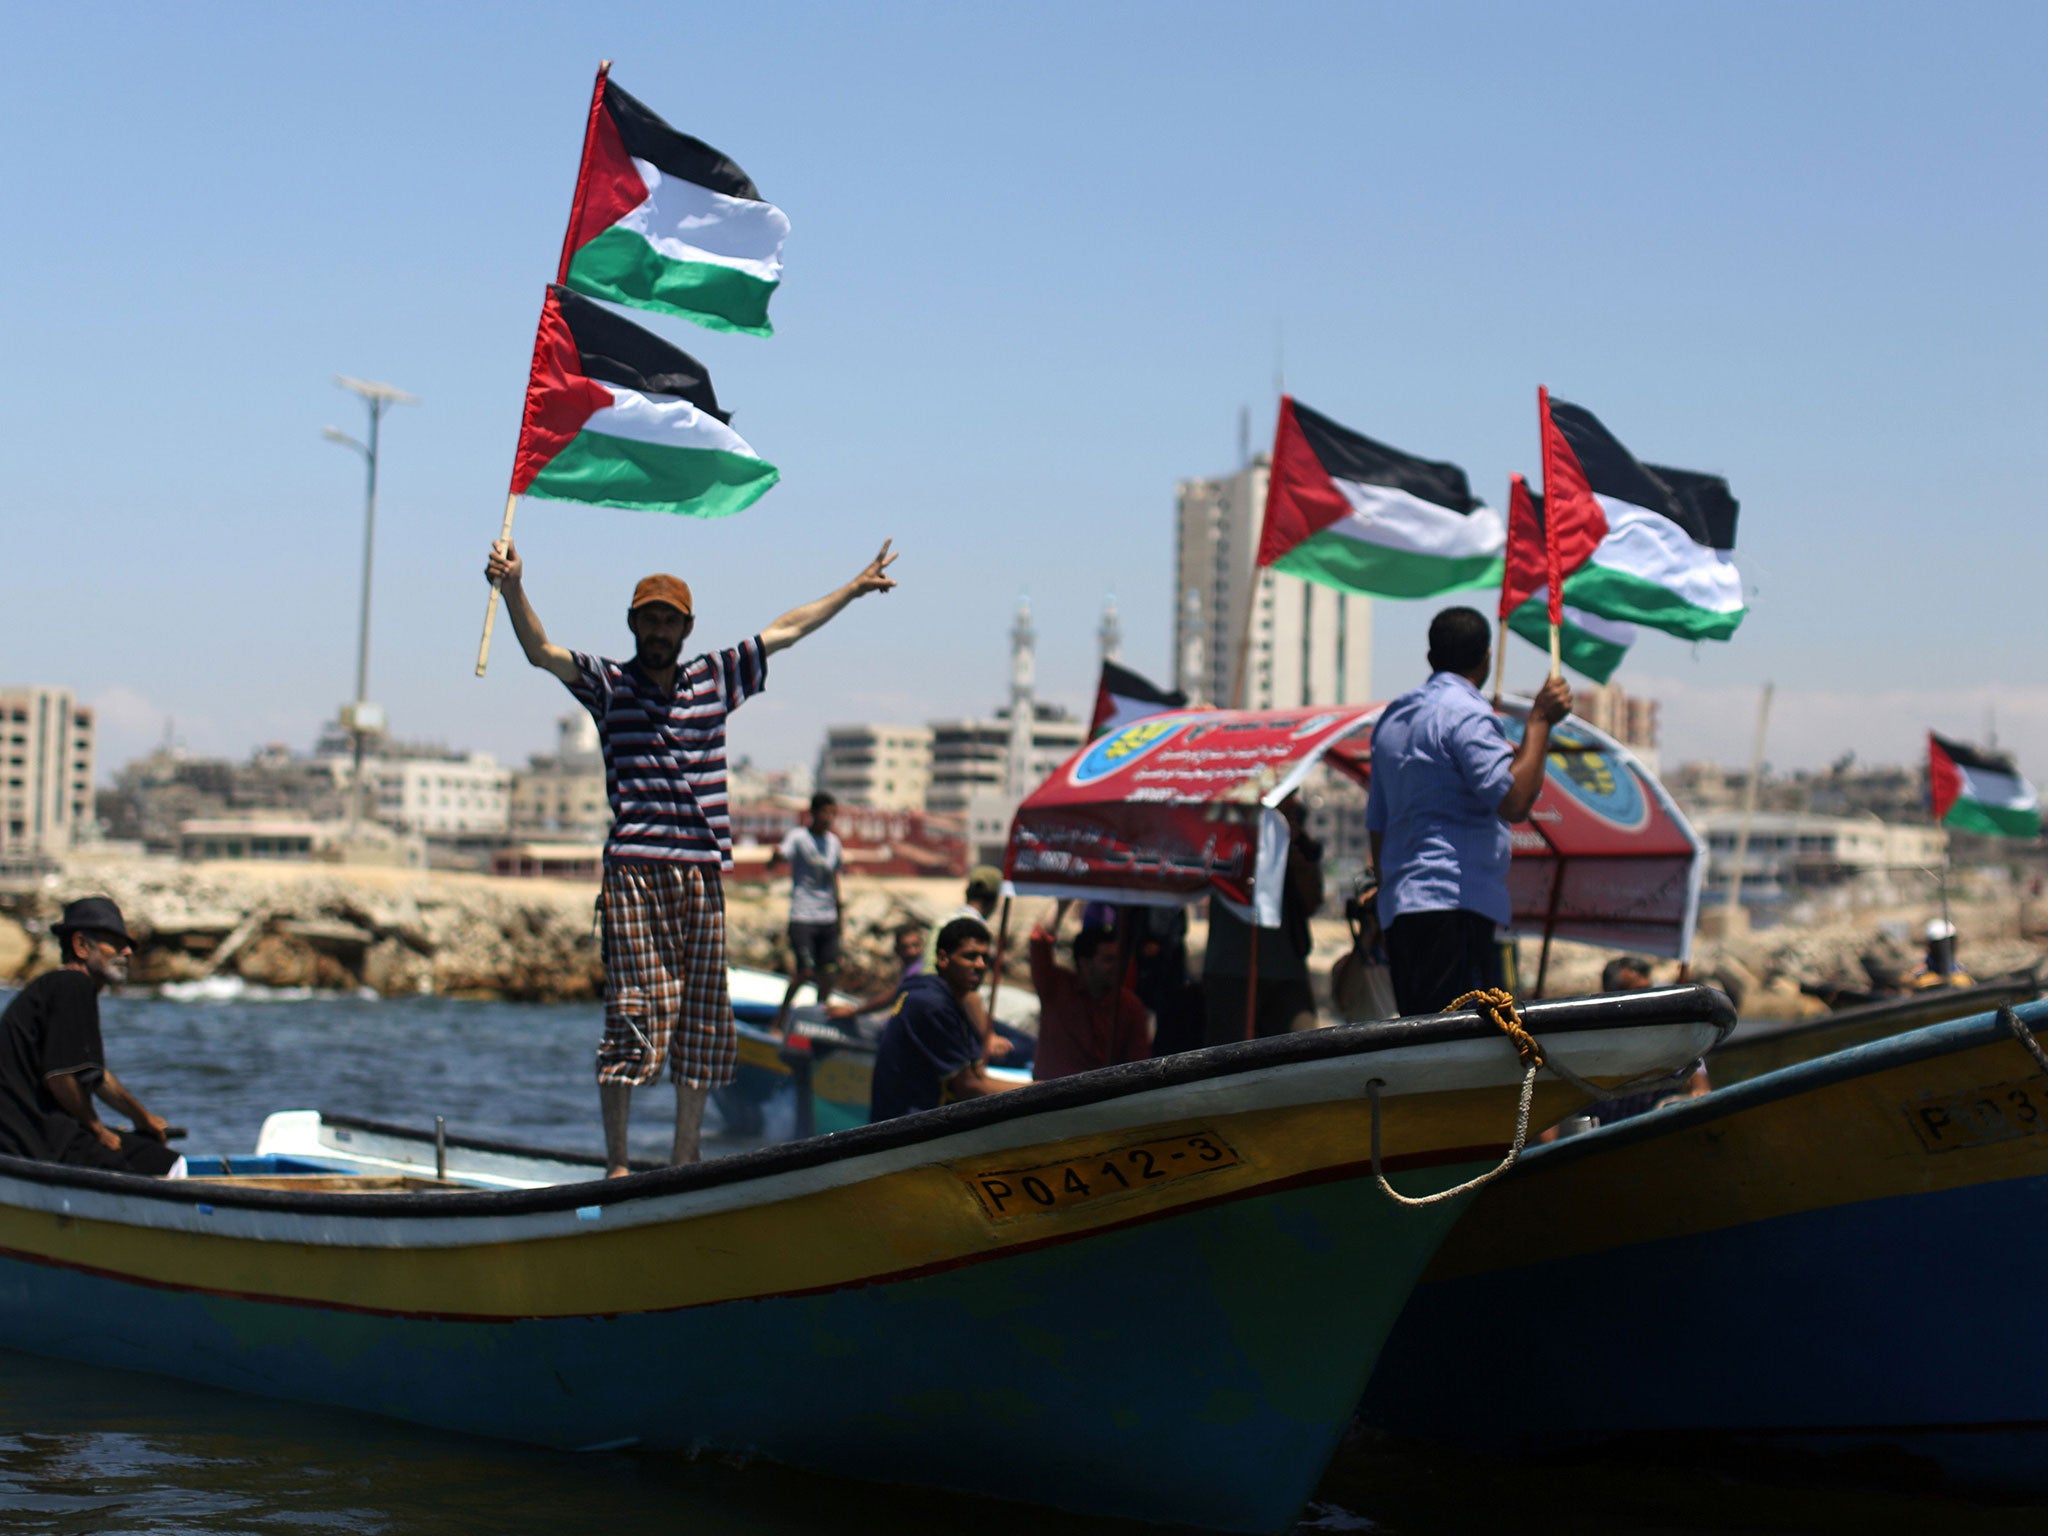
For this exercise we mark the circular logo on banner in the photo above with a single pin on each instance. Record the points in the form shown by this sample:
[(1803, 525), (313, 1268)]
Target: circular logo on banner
[(1597, 779), (1119, 749)]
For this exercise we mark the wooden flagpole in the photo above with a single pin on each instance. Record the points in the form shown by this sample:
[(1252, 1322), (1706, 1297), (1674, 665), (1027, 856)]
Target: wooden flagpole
[(604, 69), (483, 650), (1553, 557)]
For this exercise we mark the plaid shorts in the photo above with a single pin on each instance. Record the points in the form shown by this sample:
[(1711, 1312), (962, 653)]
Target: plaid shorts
[(664, 977)]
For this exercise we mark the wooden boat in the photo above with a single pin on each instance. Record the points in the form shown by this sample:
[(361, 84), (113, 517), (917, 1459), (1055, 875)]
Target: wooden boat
[(824, 1072), (1766, 1045), (1838, 1256), (920, 1301)]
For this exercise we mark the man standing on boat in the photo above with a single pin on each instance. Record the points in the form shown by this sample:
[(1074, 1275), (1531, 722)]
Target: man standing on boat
[(52, 1064), (817, 904), (661, 723), (1445, 784)]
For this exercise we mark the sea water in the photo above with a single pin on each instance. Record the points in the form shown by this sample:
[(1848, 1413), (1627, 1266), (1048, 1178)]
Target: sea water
[(88, 1450)]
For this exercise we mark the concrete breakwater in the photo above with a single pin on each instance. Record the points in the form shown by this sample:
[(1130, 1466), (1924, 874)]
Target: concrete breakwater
[(396, 932)]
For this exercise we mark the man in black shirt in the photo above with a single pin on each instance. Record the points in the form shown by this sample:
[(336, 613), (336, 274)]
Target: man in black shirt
[(52, 1064)]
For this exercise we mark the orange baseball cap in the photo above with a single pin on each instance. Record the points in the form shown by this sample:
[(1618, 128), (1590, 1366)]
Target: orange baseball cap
[(672, 590)]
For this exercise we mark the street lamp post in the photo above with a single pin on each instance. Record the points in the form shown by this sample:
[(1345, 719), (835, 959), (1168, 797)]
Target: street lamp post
[(363, 720)]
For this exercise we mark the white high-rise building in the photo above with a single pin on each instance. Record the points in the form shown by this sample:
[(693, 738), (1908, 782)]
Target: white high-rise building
[(1309, 644), (46, 767), (888, 767)]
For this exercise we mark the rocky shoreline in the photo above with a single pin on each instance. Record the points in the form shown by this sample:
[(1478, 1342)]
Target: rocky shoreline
[(401, 932), (407, 932)]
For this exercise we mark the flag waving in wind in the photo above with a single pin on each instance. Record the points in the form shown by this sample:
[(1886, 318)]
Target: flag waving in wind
[(1354, 514), (1123, 696), (1974, 790), (665, 222), (618, 417), (1589, 644), (1662, 559)]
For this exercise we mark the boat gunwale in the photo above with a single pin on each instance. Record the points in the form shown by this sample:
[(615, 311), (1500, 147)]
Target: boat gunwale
[(1931, 1041), (2015, 987), (1689, 1003)]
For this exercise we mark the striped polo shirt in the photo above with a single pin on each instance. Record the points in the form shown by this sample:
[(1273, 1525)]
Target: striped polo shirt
[(664, 754)]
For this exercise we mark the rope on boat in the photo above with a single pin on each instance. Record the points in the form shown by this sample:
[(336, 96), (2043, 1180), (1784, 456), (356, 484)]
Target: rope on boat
[(1498, 1005), (2024, 1035)]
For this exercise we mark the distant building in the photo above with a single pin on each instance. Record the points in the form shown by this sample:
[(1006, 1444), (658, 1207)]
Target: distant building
[(550, 861), (559, 804), (1629, 720), (792, 785), (46, 770), (562, 793), (888, 767), (1309, 644), (1793, 854), (438, 797), (877, 842), (266, 838), (971, 756)]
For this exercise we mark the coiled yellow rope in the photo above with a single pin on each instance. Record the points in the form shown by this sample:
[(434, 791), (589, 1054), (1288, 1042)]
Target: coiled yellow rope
[(1498, 1004)]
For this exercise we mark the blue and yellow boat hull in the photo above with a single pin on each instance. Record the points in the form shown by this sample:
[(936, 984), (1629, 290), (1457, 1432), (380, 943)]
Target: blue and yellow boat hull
[(1155, 1291), (1836, 1256)]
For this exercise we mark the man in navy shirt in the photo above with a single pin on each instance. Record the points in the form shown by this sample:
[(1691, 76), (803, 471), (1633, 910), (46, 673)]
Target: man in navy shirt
[(1445, 784), (931, 1050)]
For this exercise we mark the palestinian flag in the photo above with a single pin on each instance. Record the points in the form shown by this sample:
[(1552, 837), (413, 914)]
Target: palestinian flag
[(1587, 643), (1590, 645), (663, 221), (1663, 558), (1978, 791), (1354, 514), (618, 417), (1123, 696)]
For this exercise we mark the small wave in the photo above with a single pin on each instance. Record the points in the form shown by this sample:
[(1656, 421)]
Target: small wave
[(231, 989)]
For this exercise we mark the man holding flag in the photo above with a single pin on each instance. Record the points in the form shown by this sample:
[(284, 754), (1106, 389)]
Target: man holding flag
[(1445, 783), (661, 723)]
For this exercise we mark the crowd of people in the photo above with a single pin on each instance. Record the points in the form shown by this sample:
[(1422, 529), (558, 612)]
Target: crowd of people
[(1445, 785)]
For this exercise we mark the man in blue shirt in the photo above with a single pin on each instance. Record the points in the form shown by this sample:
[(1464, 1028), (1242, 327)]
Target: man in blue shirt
[(1445, 783), (930, 1050)]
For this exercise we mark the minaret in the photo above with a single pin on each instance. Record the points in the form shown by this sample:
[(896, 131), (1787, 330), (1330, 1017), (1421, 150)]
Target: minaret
[(1194, 651), (1111, 634), (1018, 780)]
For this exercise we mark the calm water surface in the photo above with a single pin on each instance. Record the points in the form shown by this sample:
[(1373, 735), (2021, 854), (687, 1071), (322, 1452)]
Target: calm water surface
[(84, 1450)]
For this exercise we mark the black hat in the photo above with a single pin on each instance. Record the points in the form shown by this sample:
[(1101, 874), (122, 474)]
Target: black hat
[(91, 914)]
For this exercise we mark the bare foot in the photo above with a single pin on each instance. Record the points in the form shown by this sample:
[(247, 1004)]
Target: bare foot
[(617, 1173)]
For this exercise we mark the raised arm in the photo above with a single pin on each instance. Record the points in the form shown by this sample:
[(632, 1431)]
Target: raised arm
[(798, 622), (506, 569), (1553, 703)]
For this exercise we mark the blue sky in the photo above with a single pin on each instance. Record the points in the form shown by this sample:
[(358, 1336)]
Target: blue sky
[(1041, 257)]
